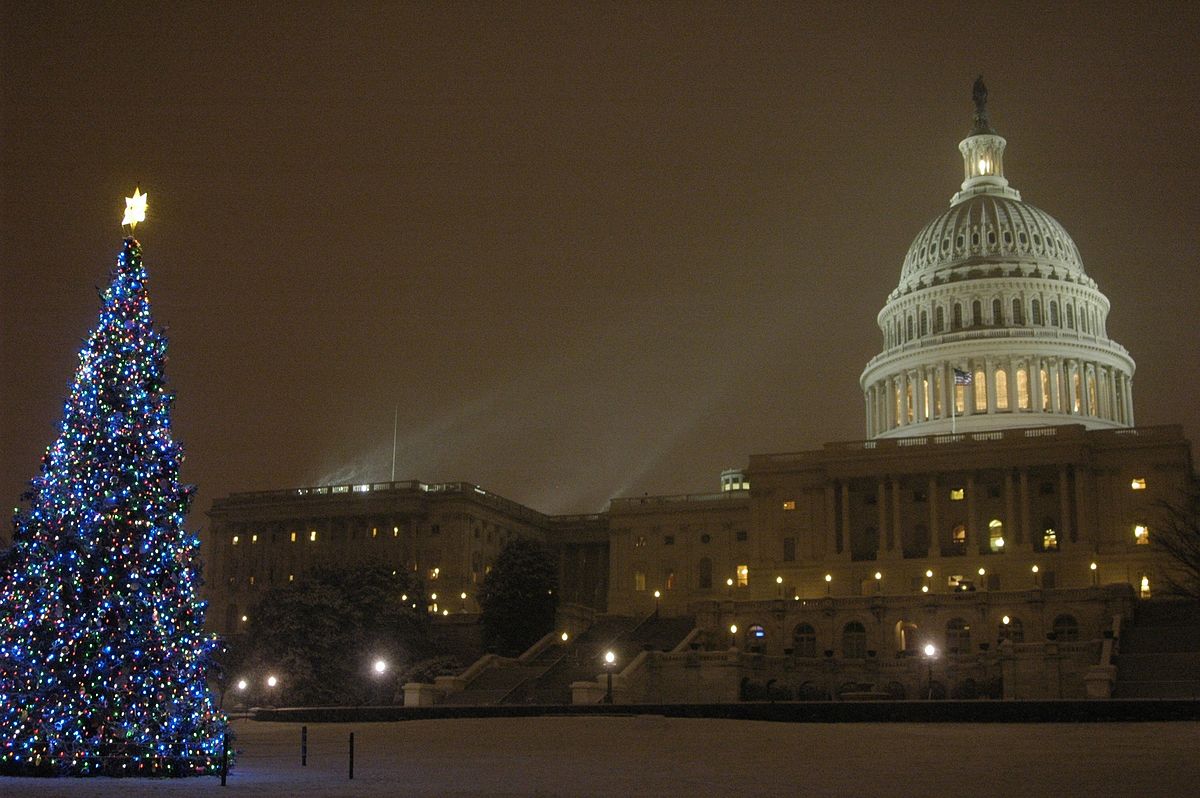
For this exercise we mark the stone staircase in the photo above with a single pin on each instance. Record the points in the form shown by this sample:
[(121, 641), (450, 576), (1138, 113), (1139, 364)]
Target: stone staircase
[(1159, 655), (547, 678)]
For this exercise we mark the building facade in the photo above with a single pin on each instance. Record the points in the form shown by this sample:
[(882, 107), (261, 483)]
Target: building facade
[(1000, 511)]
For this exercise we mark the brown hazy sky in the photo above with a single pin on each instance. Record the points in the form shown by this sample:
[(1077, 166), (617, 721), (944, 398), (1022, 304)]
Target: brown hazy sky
[(586, 249)]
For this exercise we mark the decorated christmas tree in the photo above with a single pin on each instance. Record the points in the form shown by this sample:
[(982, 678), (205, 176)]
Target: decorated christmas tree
[(104, 663)]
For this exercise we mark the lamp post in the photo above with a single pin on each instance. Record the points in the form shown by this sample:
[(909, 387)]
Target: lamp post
[(1036, 579), (828, 584), (729, 585), (657, 598), (733, 635), (779, 581), (879, 581), (1095, 574), (463, 596), (609, 660), (930, 653)]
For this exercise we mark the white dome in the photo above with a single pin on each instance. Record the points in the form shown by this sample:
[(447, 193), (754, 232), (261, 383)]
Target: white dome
[(986, 231), (994, 323)]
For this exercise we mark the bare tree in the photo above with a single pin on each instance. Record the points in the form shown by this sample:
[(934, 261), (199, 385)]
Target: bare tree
[(1179, 539)]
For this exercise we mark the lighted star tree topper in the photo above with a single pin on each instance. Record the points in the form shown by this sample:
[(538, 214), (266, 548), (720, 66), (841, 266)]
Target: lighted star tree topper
[(104, 663)]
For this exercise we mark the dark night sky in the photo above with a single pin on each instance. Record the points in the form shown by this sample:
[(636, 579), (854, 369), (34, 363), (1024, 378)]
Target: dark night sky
[(587, 250)]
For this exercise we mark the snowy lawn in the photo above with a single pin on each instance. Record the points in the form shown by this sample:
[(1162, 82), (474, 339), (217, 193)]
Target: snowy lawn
[(652, 755)]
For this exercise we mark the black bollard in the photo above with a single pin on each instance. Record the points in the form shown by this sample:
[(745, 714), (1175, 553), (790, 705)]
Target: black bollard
[(351, 755), (224, 758), (303, 746)]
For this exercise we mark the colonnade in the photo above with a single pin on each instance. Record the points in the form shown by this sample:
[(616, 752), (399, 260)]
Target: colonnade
[(1003, 384)]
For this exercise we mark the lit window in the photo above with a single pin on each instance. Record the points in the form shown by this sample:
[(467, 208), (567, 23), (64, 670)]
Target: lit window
[(959, 535), (252, 580), (293, 537), (669, 580), (395, 531), (957, 494), (291, 577), (743, 575), (639, 541), (1138, 483), (1145, 587), (639, 580), (996, 534), (254, 538), (789, 505), (757, 632), (1049, 540), (1141, 534), (374, 531), (434, 573), (312, 535), (235, 540)]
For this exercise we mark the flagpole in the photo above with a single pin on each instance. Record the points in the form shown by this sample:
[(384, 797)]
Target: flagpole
[(395, 423)]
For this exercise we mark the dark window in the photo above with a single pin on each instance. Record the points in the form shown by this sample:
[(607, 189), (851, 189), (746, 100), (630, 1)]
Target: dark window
[(939, 320), (958, 636), (997, 312), (976, 313), (804, 640), (958, 317), (920, 496), (668, 540), (706, 538), (1066, 628), (1018, 313), (789, 549), (854, 640), (705, 581), (741, 535), (993, 491), (435, 529)]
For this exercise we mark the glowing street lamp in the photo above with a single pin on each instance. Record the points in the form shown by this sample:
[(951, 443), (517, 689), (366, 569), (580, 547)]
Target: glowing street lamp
[(657, 597), (1095, 574), (1036, 579), (930, 653), (779, 581), (879, 581), (565, 637), (828, 584), (610, 659), (242, 684), (380, 667), (272, 681), (733, 635)]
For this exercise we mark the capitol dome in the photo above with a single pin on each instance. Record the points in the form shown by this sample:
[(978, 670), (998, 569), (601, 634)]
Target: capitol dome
[(994, 322)]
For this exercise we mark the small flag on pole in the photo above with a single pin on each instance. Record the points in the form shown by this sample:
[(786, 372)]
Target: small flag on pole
[(962, 377)]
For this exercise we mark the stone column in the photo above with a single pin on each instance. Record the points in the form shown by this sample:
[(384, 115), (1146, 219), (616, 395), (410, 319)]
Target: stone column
[(972, 525), (831, 522), (895, 530), (845, 551), (1010, 515), (1064, 503), (935, 549), (881, 509), (1023, 529)]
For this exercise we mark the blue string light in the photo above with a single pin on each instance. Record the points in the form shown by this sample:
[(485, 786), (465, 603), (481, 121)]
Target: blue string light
[(104, 662)]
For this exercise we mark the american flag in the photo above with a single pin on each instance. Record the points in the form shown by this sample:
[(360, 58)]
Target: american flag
[(962, 377)]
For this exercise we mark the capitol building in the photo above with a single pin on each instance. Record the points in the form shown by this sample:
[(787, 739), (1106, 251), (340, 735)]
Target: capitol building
[(990, 536)]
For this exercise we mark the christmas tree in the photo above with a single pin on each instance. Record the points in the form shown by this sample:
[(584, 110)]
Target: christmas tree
[(103, 659)]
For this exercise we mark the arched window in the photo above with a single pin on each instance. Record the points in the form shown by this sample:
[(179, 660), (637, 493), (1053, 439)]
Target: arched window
[(1022, 387), (1053, 314), (1070, 317), (1018, 313), (1012, 631), (908, 328), (979, 385), (705, 582), (1077, 384), (1066, 628), (1083, 320), (976, 313), (756, 633), (1049, 535), (804, 640), (996, 535), (1001, 389), (924, 323), (958, 637), (1093, 405), (854, 640), (997, 312), (906, 637), (1035, 308), (1045, 377), (939, 319), (958, 319)]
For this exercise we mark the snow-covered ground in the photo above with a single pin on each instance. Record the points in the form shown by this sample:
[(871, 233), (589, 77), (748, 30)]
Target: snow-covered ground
[(652, 755)]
